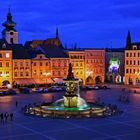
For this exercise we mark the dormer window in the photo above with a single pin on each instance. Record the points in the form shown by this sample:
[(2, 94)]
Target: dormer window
[(11, 33), (134, 47), (4, 45)]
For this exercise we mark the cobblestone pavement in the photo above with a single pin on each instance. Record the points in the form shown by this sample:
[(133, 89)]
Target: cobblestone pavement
[(123, 127)]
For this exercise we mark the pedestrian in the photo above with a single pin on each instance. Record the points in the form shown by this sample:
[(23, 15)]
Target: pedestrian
[(6, 115), (16, 103), (11, 116), (2, 117)]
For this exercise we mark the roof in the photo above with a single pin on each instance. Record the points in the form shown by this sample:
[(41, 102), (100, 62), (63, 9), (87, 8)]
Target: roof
[(115, 49), (20, 52), (4, 45), (53, 51)]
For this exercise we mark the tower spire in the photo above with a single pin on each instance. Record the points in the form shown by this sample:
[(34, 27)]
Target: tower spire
[(128, 40), (57, 33)]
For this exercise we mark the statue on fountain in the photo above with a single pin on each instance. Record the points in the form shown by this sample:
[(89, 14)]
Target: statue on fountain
[(70, 98)]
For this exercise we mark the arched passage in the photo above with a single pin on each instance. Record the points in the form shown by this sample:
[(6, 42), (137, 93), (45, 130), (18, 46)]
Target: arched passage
[(5, 83), (98, 80), (89, 81)]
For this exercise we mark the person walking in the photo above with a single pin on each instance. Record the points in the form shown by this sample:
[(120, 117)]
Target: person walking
[(11, 116), (16, 103), (2, 117), (6, 115)]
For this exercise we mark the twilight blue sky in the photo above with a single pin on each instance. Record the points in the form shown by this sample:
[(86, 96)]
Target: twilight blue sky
[(90, 23)]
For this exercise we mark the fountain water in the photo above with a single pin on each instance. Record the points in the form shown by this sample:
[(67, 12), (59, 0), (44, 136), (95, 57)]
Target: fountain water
[(71, 104)]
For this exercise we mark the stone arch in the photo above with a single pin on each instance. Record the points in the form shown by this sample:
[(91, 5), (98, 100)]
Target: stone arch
[(89, 81), (98, 79), (5, 83)]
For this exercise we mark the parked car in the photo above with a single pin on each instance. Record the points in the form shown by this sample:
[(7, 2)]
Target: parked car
[(8, 92), (92, 87), (55, 88), (38, 90), (24, 90), (44, 90), (102, 86)]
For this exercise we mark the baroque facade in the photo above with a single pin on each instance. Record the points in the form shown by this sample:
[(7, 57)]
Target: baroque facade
[(45, 61)]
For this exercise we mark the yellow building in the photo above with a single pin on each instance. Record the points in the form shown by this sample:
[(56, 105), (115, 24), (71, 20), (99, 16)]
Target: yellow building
[(77, 58), (132, 66), (132, 62), (5, 64), (41, 69)]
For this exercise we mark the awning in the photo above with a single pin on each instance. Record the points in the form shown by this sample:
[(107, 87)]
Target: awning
[(58, 80), (43, 81), (24, 81)]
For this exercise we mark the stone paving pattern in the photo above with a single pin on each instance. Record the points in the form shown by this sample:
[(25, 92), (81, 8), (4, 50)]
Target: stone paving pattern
[(123, 127)]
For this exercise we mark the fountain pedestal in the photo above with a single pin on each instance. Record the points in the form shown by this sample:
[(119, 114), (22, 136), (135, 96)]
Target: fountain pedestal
[(70, 98)]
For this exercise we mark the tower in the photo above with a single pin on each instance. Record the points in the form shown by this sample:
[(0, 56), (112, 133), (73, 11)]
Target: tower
[(9, 33), (57, 33), (128, 41)]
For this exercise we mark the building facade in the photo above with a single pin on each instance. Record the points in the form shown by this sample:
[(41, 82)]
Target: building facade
[(45, 61), (114, 65), (132, 62)]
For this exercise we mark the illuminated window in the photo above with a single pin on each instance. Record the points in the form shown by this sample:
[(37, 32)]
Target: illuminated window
[(0, 55), (15, 64), (34, 63), (40, 63), (27, 64), (1, 73), (59, 73), (126, 70), (0, 64), (7, 73), (21, 74), (7, 55), (7, 64), (127, 54), (21, 64), (27, 73), (15, 74)]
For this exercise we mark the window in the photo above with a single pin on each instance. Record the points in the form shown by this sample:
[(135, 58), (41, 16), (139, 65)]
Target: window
[(77, 64), (7, 55), (130, 54), (81, 64), (15, 64), (7, 73), (126, 70), (11, 33), (126, 62), (40, 63), (27, 64), (7, 64), (0, 55), (21, 64), (138, 62), (27, 73), (1, 73), (134, 71), (21, 74), (127, 54), (134, 54), (11, 40), (130, 62), (15, 74), (40, 57), (40, 72), (130, 71), (34, 63), (59, 73), (134, 62), (46, 63), (0, 64)]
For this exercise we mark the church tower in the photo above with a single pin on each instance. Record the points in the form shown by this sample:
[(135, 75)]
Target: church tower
[(128, 41), (9, 33)]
